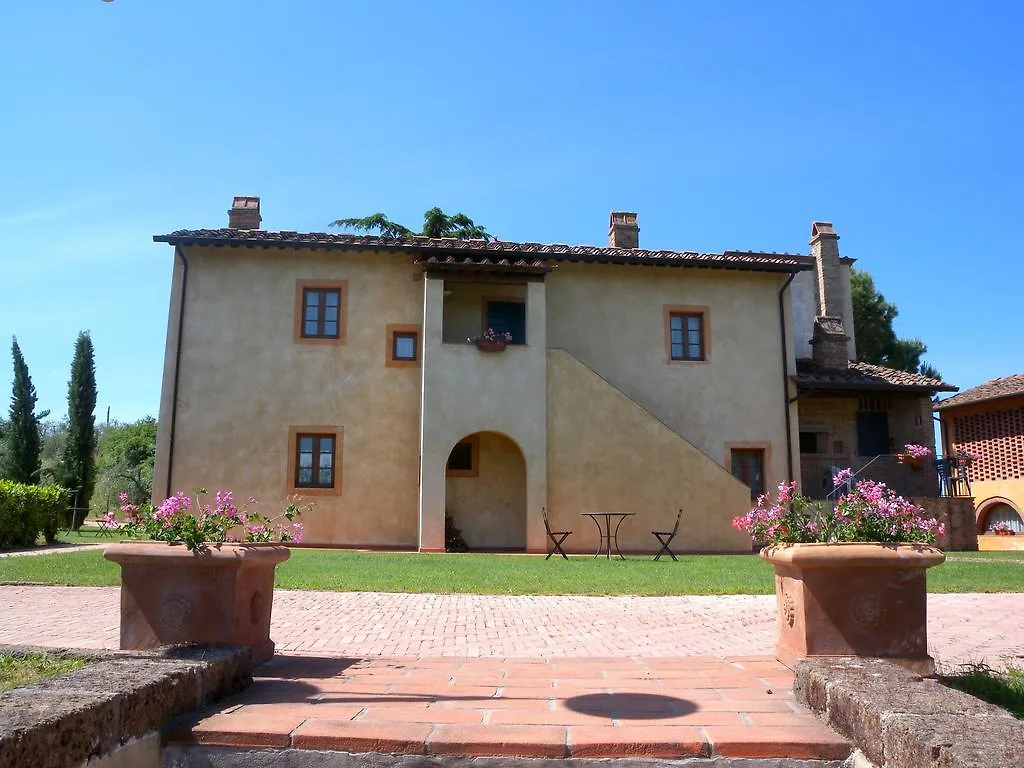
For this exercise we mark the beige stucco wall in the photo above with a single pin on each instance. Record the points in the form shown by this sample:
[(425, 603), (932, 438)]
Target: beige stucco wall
[(606, 453), (467, 391), (611, 318), (490, 508), (244, 381)]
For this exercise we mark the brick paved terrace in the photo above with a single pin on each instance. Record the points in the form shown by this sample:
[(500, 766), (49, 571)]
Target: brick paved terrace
[(555, 707)]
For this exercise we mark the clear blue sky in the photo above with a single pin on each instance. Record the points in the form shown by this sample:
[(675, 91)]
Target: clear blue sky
[(725, 125)]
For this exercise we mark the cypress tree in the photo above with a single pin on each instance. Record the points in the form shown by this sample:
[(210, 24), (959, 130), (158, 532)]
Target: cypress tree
[(22, 461), (78, 470)]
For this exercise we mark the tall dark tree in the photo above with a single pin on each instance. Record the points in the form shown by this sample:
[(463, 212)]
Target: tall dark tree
[(21, 433), (78, 468), (876, 340), (436, 223)]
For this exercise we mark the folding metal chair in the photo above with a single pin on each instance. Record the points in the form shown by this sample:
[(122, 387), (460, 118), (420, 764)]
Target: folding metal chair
[(557, 537), (665, 538)]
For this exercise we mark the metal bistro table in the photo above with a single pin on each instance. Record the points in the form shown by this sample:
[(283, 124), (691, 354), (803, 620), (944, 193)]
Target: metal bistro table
[(608, 536)]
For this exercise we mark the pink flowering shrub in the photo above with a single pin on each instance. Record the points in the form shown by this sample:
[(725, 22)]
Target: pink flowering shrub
[(195, 523), (917, 451), (869, 511)]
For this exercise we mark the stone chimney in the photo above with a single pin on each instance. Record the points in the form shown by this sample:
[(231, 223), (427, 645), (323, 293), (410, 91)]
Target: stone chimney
[(829, 342), (245, 213), (623, 231)]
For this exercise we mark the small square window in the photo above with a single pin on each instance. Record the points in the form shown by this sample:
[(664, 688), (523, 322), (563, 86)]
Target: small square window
[(404, 346), (464, 460)]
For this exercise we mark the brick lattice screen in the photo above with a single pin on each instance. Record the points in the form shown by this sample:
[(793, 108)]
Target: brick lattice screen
[(996, 439)]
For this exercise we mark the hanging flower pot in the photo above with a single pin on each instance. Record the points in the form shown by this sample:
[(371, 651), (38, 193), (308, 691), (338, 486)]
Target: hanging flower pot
[(491, 341)]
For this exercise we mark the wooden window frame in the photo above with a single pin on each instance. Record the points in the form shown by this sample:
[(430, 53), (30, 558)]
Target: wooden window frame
[(403, 329), (485, 300), (301, 286), (704, 314), (294, 432), (474, 460), (765, 449)]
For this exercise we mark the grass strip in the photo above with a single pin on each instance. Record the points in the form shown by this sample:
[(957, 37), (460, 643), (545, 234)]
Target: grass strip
[(17, 670), (1004, 688), (351, 571)]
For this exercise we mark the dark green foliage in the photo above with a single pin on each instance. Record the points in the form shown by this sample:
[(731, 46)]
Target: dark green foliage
[(78, 467), (124, 462), (877, 342), (436, 223), (453, 541), (28, 510), (21, 433)]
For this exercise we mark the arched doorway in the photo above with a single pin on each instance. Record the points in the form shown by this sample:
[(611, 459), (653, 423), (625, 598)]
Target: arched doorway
[(999, 511), (485, 491)]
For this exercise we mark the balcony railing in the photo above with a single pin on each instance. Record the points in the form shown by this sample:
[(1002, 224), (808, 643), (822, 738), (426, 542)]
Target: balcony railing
[(934, 477)]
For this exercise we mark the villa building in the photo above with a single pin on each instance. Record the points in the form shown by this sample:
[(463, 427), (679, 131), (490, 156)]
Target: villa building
[(337, 367), (985, 425)]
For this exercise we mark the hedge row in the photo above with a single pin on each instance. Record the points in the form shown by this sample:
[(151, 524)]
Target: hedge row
[(28, 510)]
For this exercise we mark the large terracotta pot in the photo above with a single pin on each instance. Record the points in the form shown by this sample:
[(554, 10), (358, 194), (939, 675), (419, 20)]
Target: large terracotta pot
[(221, 595), (853, 599)]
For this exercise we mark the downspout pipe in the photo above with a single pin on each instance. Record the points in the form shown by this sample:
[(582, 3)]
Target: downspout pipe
[(786, 399), (180, 254)]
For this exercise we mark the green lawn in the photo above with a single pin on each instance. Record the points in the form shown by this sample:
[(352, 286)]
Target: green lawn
[(346, 571), (18, 670)]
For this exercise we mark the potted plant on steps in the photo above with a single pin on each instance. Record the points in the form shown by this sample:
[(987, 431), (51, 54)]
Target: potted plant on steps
[(849, 579), (491, 340), (205, 574)]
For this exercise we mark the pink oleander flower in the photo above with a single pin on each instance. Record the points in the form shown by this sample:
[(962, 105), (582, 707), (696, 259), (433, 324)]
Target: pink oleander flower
[(196, 523), (842, 477), (868, 511), (917, 451)]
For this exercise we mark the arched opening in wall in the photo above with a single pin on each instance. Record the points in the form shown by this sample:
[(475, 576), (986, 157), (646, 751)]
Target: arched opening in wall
[(999, 515), (485, 492)]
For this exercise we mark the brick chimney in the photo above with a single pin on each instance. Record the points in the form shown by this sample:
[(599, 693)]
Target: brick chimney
[(829, 342), (245, 213), (623, 231)]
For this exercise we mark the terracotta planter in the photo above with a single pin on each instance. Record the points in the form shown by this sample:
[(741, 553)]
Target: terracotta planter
[(222, 595), (490, 345), (1005, 533), (855, 599)]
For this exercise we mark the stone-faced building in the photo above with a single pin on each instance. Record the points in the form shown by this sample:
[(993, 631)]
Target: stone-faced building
[(337, 367), (986, 425)]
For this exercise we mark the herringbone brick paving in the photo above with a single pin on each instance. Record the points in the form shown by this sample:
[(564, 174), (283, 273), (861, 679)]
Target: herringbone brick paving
[(961, 628)]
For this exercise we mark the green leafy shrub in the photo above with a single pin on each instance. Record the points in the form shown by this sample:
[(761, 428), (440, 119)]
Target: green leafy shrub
[(28, 510)]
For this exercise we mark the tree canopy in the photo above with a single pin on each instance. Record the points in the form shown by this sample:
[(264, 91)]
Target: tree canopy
[(21, 433), (877, 342), (78, 468), (436, 223), (125, 454)]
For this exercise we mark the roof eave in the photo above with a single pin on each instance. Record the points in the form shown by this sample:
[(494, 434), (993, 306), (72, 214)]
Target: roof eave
[(625, 259), (941, 406)]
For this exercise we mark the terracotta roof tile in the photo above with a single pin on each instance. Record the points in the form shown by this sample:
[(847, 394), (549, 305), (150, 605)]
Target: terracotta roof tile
[(1005, 386), (858, 375), (494, 249)]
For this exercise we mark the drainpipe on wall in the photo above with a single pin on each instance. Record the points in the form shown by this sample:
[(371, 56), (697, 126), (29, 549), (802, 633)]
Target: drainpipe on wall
[(786, 400), (178, 253)]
